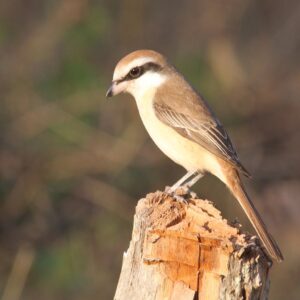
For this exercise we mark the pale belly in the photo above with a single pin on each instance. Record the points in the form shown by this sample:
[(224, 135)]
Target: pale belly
[(181, 150)]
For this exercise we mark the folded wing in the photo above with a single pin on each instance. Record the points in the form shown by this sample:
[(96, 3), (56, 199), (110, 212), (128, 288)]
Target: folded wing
[(207, 132)]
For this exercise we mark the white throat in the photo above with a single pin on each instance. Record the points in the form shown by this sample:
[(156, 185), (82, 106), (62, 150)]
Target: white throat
[(146, 86)]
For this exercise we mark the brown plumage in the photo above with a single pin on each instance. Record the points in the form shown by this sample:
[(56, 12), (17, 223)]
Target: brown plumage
[(193, 119), (183, 126), (236, 186)]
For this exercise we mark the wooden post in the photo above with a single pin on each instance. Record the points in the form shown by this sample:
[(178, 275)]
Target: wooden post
[(188, 251)]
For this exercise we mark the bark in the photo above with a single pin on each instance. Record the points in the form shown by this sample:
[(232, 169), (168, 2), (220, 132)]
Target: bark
[(188, 251)]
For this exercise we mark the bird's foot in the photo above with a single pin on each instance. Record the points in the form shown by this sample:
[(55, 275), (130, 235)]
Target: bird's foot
[(181, 194), (180, 199)]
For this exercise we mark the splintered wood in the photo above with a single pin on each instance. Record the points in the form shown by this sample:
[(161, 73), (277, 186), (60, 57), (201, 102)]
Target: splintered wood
[(188, 251)]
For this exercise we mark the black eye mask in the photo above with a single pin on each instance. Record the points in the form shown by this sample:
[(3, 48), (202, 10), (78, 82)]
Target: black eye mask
[(138, 71)]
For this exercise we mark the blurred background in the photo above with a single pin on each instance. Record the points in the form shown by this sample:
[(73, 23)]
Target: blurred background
[(74, 164)]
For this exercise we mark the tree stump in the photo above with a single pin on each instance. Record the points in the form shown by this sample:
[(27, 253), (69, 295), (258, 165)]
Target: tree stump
[(188, 251)]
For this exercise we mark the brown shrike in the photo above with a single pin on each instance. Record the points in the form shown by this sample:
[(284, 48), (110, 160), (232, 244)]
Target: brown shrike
[(183, 126)]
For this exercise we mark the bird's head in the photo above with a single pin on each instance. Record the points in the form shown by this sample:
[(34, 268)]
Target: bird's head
[(137, 73)]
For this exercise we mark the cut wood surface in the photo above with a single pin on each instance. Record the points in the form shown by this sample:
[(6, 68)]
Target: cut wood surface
[(188, 251)]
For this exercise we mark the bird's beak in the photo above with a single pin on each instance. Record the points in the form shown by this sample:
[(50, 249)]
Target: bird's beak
[(110, 92), (116, 88)]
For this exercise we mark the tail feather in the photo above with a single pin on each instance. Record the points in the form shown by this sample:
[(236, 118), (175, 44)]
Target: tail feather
[(236, 187)]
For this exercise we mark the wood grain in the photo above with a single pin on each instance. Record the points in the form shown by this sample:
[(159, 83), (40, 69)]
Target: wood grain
[(188, 251)]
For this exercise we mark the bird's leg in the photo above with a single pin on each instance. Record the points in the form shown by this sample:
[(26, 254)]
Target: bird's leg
[(193, 180), (180, 182)]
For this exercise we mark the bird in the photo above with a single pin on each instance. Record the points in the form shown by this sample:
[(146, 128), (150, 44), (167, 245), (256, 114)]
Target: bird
[(183, 126)]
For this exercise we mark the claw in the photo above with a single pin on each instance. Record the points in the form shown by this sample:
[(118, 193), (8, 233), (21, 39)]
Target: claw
[(179, 194), (180, 199)]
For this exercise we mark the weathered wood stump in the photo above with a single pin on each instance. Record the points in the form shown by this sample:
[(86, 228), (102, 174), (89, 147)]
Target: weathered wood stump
[(188, 251)]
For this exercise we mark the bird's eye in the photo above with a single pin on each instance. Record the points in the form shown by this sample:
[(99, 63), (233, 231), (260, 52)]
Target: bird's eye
[(135, 72)]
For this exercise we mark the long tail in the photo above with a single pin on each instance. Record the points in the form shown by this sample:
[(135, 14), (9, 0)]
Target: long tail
[(235, 185)]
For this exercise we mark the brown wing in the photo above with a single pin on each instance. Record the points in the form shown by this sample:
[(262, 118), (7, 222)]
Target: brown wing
[(205, 130)]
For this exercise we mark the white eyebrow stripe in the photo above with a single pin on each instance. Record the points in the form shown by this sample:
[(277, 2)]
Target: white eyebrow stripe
[(123, 71)]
